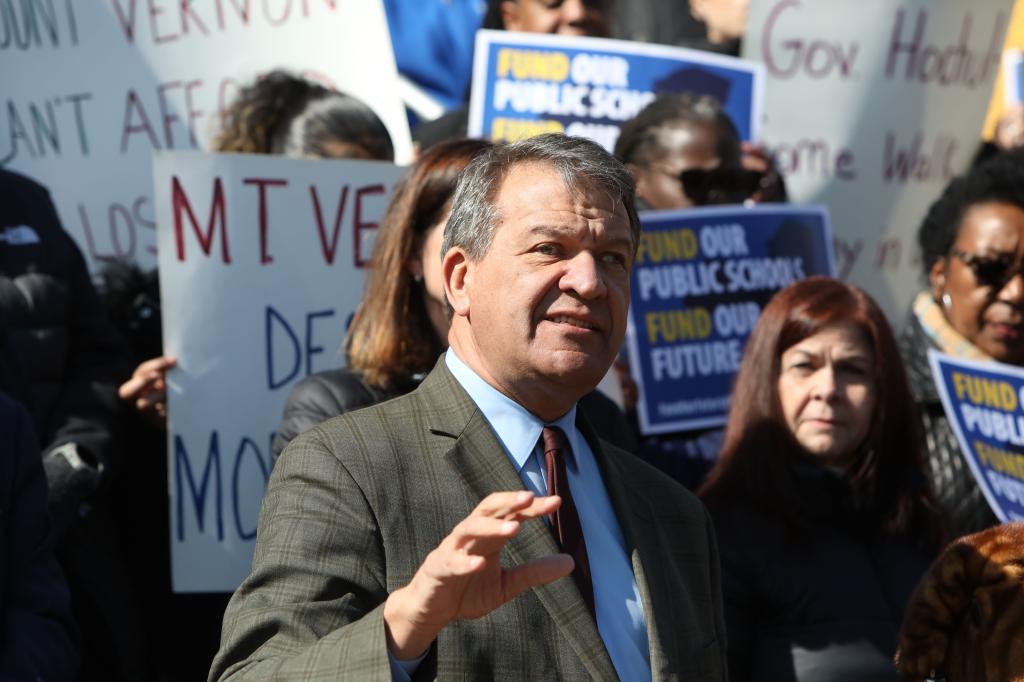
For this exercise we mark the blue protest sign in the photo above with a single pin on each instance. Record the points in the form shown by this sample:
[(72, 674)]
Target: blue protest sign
[(525, 84), (700, 280), (983, 402)]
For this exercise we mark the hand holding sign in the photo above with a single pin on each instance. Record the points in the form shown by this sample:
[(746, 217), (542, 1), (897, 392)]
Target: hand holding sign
[(147, 389)]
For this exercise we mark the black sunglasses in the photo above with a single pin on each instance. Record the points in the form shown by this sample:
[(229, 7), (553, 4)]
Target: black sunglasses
[(988, 271), (712, 186)]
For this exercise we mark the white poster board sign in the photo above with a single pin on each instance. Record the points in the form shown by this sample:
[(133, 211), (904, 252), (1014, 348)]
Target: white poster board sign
[(871, 107), (261, 268), (92, 89)]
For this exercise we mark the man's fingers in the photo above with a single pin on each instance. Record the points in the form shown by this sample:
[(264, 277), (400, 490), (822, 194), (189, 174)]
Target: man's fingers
[(516, 506), (540, 507), (444, 563), (459, 564), (500, 505), (535, 573), (483, 535)]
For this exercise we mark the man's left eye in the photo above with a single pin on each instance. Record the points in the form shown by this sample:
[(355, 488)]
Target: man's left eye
[(613, 258)]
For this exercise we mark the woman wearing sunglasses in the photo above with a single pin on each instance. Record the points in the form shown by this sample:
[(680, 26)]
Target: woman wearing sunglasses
[(972, 245), (683, 150)]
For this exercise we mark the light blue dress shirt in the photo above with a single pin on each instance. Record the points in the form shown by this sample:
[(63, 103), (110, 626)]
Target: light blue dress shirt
[(620, 613)]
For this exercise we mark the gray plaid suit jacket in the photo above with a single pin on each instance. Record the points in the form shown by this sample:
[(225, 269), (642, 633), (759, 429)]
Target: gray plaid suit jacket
[(355, 505)]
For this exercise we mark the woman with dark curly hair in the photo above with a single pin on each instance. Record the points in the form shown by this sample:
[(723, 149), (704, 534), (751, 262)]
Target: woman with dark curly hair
[(282, 114), (972, 246), (823, 515)]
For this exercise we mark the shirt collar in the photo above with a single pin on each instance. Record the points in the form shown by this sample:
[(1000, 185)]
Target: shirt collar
[(517, 429)]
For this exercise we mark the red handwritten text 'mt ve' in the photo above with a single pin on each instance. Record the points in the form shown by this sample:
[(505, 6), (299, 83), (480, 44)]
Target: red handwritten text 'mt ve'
[(215, 229)]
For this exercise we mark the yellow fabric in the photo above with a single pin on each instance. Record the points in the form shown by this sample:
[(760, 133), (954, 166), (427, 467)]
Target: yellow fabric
[(1014, 40), (940, 331)]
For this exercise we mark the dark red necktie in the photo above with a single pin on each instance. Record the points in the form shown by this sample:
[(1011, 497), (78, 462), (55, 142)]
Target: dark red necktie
[(566, 521)]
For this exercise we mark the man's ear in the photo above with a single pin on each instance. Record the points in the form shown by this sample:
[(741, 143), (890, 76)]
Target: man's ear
[(937, 278), (510, 15), (457, 270)]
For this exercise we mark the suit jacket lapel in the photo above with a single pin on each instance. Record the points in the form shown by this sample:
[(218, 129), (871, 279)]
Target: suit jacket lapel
[(483, 467), (636, 520)]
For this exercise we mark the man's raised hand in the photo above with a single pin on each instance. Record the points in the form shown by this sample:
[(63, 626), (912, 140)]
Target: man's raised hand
[(464, 578)]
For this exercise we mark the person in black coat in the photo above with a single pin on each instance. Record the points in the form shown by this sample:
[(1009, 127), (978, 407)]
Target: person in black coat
[(825, 523), (401, 325), (61, 359), (37, 633)]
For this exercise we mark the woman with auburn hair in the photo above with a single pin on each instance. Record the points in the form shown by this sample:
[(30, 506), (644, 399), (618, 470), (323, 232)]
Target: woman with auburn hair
[(824, 520), (401, 326)]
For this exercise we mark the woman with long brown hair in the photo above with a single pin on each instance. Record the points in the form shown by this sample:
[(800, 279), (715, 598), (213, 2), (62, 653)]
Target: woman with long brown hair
[(823, 517), (401, 326)]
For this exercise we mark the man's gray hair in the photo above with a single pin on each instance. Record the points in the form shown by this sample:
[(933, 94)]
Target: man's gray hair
[(581, 163)]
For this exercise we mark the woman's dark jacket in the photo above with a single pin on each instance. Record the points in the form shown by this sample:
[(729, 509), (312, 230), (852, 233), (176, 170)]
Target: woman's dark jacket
[(961, 500), (821, 604), (323, 395)]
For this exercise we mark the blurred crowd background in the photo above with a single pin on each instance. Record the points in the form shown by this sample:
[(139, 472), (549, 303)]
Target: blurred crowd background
[(823, 540)]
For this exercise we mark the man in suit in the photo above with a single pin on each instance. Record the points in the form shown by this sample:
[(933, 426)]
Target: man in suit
[(475, 528)]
